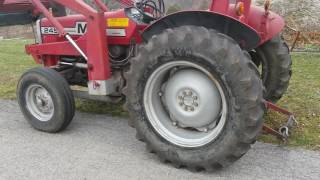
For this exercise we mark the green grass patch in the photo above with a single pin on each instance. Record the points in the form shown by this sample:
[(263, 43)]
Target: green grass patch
[(13, 62), (302, 98)]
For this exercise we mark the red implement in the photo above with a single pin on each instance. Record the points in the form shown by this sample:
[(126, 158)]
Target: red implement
[(284, 131)]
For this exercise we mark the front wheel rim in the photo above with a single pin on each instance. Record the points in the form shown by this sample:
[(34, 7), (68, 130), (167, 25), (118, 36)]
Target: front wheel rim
[(39, 102), (177, 108)]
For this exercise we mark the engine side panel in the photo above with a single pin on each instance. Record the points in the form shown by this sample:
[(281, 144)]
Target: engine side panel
[(121, 30)]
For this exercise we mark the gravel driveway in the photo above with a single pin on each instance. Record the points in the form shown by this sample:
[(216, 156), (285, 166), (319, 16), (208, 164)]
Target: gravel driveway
[(104, 147)]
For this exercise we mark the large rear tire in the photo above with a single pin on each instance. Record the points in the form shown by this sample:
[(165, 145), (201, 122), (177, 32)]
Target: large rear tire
[(274, 58), (46, 100), (195, 98)]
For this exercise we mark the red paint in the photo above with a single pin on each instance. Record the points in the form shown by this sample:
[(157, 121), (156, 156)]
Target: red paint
[(220, 6), (267, 25), (47, 14), (70, 22), (278, 109), (95, 42)]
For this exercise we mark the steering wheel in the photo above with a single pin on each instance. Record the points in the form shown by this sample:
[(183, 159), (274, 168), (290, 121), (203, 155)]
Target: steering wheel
[(151, 9)]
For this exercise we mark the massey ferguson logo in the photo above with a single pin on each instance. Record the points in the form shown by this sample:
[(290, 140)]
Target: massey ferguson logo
[(80, 29)]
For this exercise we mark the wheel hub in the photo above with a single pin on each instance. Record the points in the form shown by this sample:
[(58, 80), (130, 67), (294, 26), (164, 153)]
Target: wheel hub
[(185, 104), (39, 102), (43, 101), (188, 100), (193, 100)]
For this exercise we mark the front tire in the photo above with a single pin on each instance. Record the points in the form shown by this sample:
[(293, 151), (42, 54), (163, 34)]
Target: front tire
[(46, 100), (207, 132)]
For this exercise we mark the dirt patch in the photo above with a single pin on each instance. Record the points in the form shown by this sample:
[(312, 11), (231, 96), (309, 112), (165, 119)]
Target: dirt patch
[(21, 31)]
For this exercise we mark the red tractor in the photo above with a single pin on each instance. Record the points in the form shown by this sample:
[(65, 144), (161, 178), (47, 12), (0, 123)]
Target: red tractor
[(191, 79)]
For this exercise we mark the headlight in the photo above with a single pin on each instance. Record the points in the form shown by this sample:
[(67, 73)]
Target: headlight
[(134, 14), (134, 11), (38, 35)]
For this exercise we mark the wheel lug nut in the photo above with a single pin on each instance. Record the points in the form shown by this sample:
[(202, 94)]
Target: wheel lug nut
[(191, 109), (181, 103), (195, 97), (184, 93), (196, 104), (186, 108), (180, 97), (189, 93)]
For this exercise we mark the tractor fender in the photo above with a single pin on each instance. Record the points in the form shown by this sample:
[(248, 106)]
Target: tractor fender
[(246, 36), (268, 25)]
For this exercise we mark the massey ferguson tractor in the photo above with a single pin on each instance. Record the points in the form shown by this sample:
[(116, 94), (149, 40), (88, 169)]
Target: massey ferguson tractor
[(196, 83)]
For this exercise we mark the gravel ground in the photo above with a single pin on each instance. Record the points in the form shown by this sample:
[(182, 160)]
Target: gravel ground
[(104, 147)]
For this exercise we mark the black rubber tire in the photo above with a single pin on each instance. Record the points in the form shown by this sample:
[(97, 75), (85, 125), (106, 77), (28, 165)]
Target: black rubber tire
[(60, 92), (239, 77), (274, 57)]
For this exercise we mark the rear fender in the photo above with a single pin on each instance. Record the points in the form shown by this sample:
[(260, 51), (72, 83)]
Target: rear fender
[(268, 25), (246, 36)]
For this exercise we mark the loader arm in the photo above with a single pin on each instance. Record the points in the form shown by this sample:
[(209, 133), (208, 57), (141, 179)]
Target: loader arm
[(99, 69)]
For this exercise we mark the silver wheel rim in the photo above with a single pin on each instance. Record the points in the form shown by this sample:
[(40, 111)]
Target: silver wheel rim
[(185, 104), (39, 102)]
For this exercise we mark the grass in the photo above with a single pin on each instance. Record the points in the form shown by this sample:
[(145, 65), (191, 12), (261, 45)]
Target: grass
[(13, 62), (302, 98)]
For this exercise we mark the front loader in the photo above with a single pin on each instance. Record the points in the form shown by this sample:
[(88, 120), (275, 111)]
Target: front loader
[(196, 83)]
